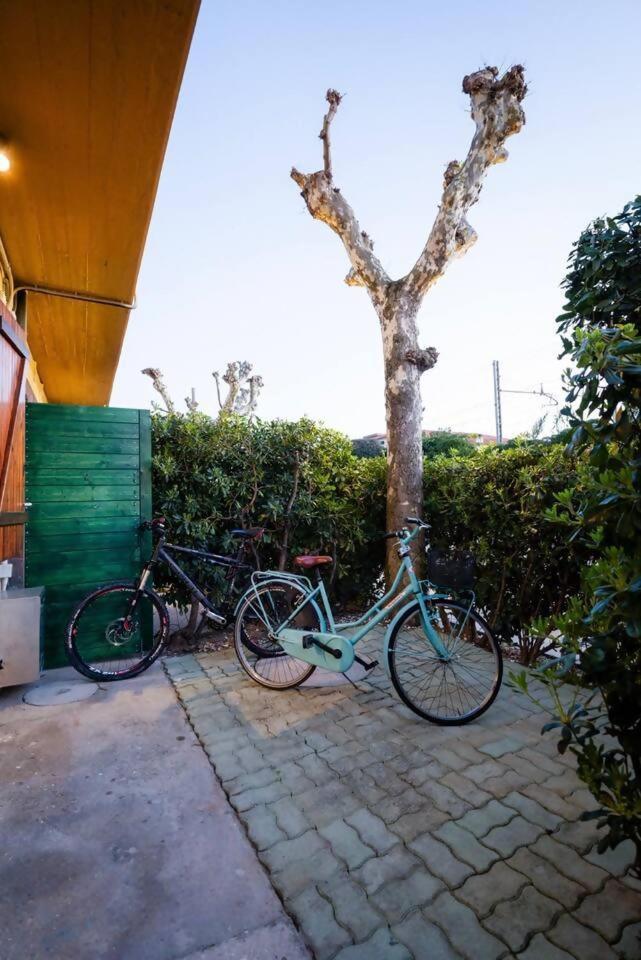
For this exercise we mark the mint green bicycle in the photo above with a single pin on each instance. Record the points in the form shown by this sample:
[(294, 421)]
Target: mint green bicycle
[(442, 658)]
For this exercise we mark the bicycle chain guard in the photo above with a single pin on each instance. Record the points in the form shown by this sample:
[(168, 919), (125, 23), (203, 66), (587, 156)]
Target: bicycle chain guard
[(292, 642)]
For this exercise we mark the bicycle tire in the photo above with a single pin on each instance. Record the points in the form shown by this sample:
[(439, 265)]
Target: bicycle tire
[(409, 685), (276, 672), (89, 668)]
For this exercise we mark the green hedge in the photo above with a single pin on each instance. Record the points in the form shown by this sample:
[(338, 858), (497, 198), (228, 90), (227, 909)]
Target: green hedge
[(212, 475)]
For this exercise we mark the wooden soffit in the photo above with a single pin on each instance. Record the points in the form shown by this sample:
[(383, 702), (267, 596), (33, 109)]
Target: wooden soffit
[(87, 98)]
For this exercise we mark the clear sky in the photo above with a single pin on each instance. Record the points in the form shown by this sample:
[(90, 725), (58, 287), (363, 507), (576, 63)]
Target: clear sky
[(235, 268)]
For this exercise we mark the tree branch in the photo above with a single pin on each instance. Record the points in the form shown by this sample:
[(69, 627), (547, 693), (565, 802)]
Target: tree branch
[(159, 385), (497, 113), (326, 203), (333, 98)]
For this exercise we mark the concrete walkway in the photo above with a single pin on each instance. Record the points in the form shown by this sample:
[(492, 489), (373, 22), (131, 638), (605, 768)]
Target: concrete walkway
[(389, 838), (116, 840)]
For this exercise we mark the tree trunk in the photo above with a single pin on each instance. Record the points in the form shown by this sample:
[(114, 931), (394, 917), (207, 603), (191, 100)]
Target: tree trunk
[(404, 412)]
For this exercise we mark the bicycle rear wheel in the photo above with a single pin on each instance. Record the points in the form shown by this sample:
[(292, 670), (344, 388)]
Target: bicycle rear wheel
[(448, 691), (111, 638), (260, 614)]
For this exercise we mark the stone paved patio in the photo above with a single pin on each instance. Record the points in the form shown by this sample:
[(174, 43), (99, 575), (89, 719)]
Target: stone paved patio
[(387, 837)]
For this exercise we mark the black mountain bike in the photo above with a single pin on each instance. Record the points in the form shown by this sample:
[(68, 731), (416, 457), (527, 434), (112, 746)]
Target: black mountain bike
[(118, 630)]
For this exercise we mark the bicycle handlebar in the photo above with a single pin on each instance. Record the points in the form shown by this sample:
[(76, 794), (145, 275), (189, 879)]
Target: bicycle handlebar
[(158, 523), (399, 534)]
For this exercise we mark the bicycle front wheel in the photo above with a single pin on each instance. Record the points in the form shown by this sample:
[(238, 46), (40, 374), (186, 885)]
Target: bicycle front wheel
[(451, 690), (114, 634), (260, 614)]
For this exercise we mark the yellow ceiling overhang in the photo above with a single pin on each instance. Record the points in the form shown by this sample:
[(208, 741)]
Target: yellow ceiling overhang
[(87, 99)]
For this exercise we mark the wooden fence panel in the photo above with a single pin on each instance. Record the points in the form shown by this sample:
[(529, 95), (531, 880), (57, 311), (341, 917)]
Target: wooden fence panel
[(89, 482)]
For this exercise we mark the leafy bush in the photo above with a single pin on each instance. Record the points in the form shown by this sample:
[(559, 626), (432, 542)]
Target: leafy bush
[(494, 505), (367, 448), (446, 442), (298, 480), (601, 331), (212, 475)]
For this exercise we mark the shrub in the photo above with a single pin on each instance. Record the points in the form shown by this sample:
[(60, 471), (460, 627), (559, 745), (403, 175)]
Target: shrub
[(298, 480), (601, 331), (367, 448), (212, 475), (494, 505), (444, 441)]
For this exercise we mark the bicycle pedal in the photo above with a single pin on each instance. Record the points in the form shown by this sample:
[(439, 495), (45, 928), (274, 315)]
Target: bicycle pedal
[(215, 617), (368, 665)]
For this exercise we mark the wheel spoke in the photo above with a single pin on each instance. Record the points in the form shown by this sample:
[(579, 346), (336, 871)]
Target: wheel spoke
[(451, 690)]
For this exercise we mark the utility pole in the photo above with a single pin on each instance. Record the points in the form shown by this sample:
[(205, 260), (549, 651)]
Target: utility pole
[(497, 402), (498, 390)]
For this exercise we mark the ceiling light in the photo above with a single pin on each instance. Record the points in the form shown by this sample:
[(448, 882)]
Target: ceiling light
[(5, 159)]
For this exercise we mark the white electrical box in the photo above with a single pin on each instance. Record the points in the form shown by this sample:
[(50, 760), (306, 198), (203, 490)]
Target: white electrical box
[(20, 635)]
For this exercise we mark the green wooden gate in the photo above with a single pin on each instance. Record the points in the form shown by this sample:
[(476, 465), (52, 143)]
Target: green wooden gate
[(88, 478)]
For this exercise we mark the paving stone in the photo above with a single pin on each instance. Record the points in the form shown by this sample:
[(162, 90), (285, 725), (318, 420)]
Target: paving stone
[(445, 799), (262, 827), (465, 846), (381, 946), (540, 948), (386, 778), (551, 801), (429, 770), (292, 776), (580, 941), (546, 878), (315, 768), (411, 825), (483, 891), (517, 833), (249, 781), (290, 817), (509, 781), (260, 795), (326, 803), (463, 929), (480, 773), (580, 834), (424, 939), (532, 810), (563, 783), (515, 920), (372, 830), (439, 860), (315, 917), (629, 945), (609, 910), (459, 754), (298, 874), (522, 765), (286, 851), (542, 761), (496, 748), (362, 785), (390, 809), (399, 897), (346, 843), (352, 908), (394, 865), (465, 789), (482, 820), (617, 861), (569, 863)]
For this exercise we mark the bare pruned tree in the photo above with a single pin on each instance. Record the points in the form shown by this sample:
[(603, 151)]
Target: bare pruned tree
[(243, 389), (159, 385), (497, 114)]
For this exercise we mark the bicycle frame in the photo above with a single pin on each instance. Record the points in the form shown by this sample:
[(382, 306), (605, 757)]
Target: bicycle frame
[(162, 554), (391, 601)]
